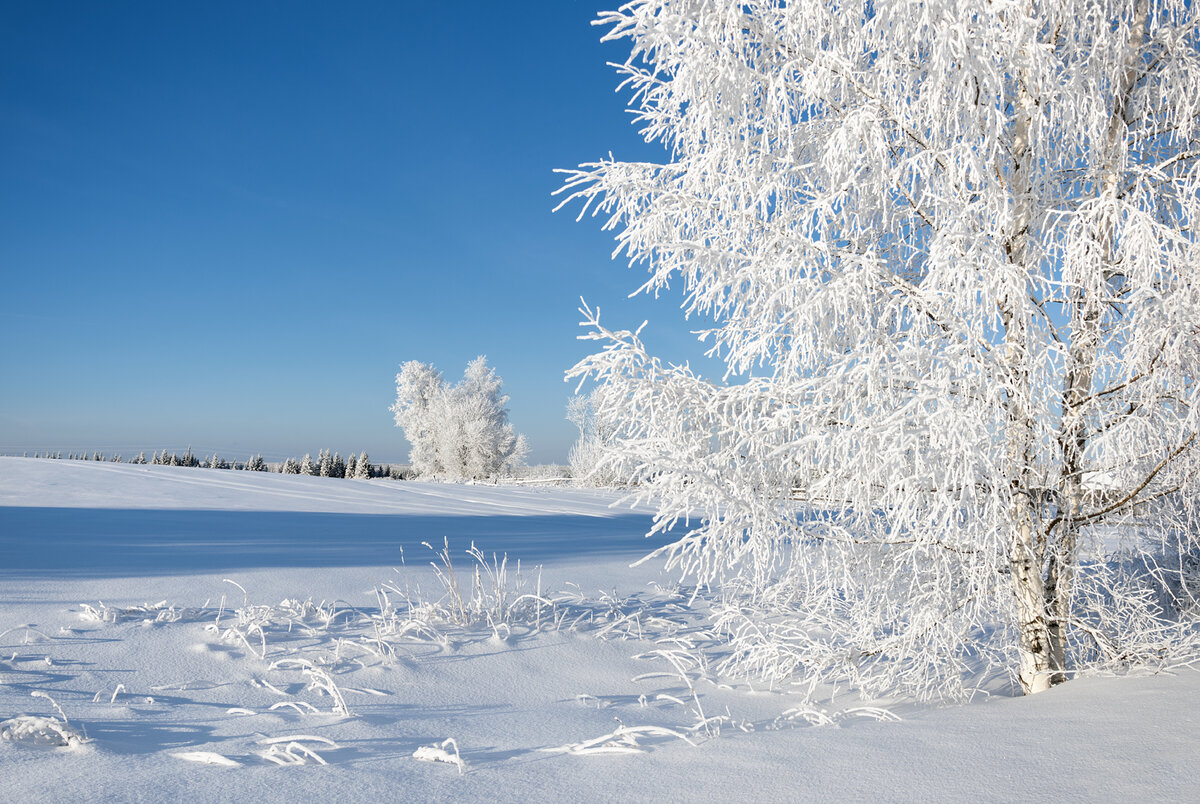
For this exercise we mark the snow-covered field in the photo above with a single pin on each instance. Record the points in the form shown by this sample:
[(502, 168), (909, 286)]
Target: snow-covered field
[(219, 635)]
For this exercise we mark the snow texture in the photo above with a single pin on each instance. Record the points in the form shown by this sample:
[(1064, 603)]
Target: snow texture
[(262, 676)]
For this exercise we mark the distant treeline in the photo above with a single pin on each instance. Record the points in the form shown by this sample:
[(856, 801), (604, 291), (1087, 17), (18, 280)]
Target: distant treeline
[(324, 465)]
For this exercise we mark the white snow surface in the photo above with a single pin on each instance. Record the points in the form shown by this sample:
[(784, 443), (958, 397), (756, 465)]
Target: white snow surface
[(114, 603)]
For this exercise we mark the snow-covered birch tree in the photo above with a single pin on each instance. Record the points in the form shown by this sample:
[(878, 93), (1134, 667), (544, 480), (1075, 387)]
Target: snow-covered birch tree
[(419, 389), (591, 457), (949, 252)]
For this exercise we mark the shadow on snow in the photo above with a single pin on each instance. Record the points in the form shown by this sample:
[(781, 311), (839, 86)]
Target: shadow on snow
[(103, 542)]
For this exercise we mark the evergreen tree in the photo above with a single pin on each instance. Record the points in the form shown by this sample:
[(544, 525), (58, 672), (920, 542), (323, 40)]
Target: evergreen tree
[(362, 469), (306, 465)]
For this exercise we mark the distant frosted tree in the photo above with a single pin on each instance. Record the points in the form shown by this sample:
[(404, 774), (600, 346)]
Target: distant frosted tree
[(351, 462), (492, 443), (325, 464), (460, 431), (290, 467), (256, 464), (418, 410), (593, 458), (306, 465), (362, 469), (949, 255), (140, 459)]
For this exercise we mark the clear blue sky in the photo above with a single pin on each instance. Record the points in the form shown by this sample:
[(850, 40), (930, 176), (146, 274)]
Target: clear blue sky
[(226, 224)]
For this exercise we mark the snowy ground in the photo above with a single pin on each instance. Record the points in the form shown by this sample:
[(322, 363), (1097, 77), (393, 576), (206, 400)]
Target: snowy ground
[(341, 659)]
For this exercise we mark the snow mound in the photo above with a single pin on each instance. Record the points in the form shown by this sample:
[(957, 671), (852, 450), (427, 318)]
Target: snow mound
[(438, 753), (207, 758), (40, 732)]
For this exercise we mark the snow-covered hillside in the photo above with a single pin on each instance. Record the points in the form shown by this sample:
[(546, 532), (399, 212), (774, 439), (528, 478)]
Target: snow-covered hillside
[(214, 635)]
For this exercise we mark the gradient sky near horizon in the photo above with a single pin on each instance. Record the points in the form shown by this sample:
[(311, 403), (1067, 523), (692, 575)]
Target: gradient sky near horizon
[(225, 225)]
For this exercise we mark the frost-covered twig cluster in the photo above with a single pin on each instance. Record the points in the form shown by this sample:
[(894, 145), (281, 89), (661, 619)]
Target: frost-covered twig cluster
[(313, 663), (490, 596), (622, 740)]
